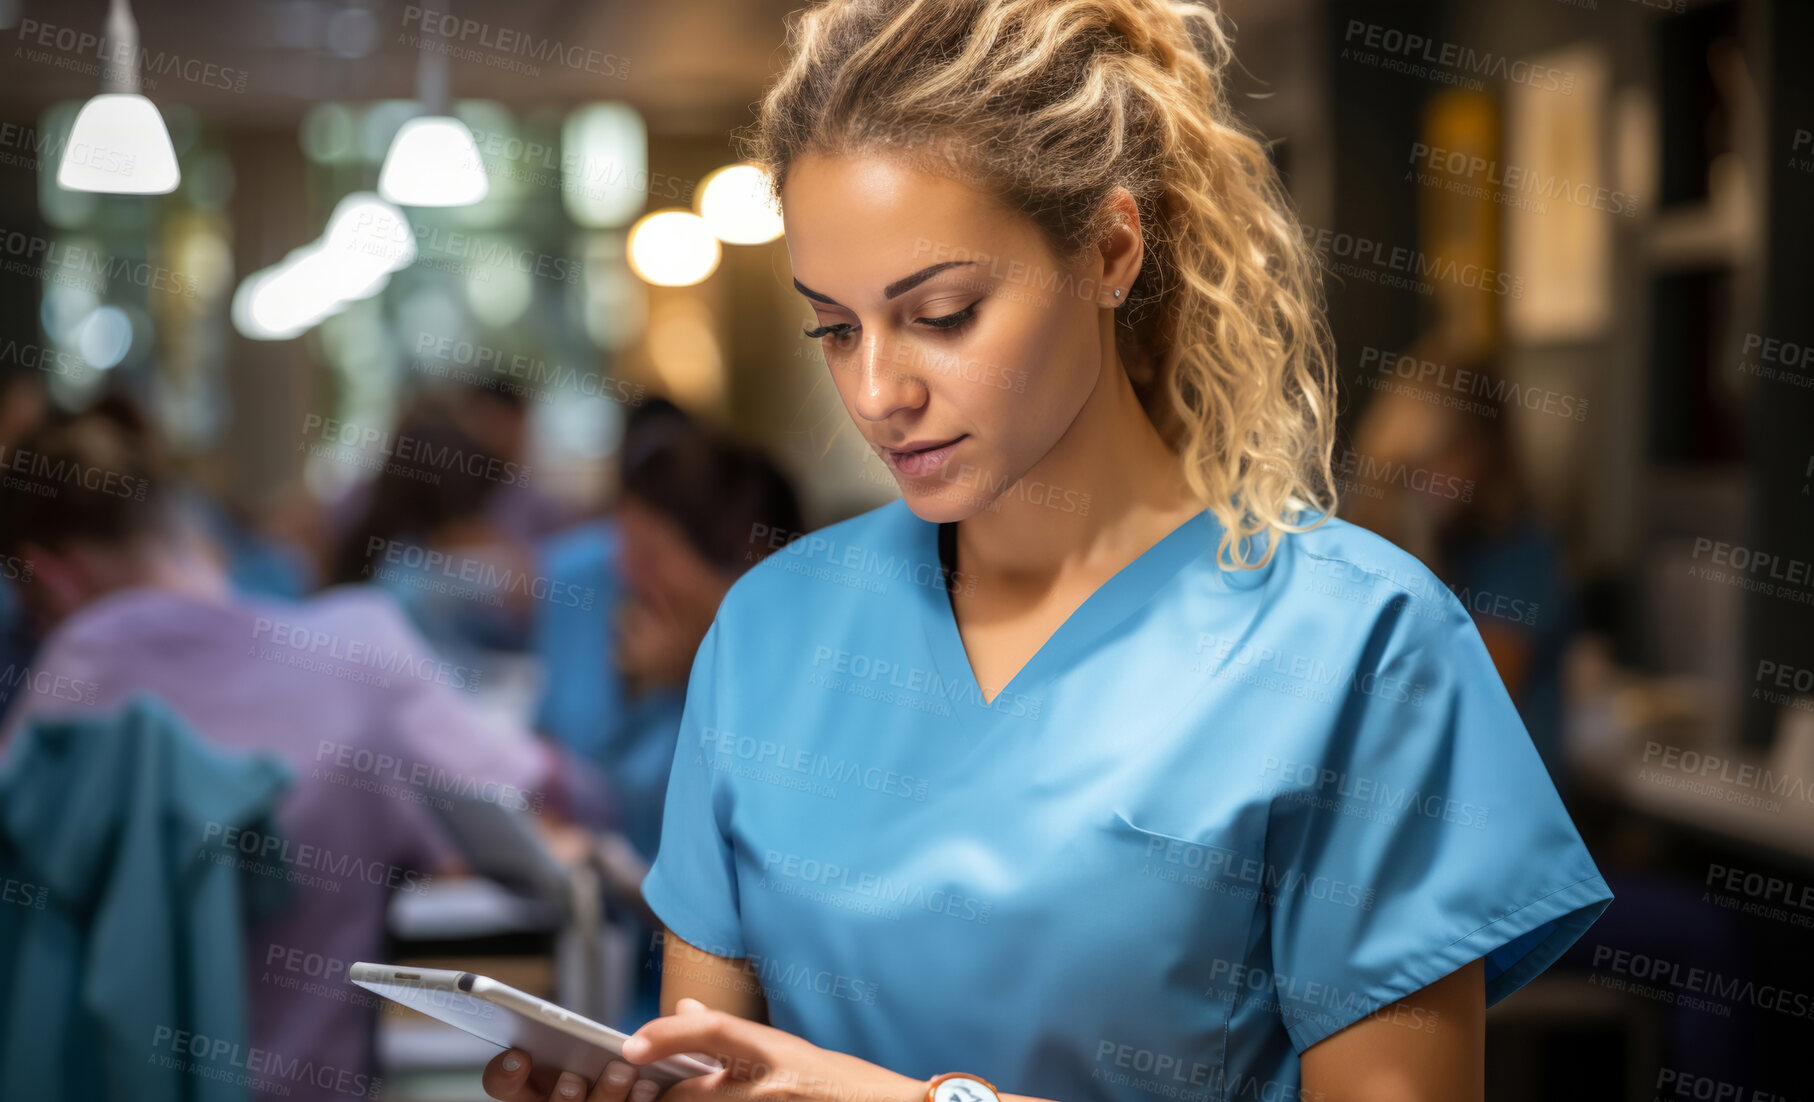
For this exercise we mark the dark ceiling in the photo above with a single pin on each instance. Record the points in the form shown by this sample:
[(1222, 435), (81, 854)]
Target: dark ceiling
[(688, 65)]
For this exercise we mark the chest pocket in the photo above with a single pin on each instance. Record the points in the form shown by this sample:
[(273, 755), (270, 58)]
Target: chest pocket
[(1181, 911), (1204, 889)]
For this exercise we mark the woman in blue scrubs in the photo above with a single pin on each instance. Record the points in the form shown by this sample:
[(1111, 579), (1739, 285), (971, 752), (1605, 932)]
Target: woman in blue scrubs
[(1106, 763)]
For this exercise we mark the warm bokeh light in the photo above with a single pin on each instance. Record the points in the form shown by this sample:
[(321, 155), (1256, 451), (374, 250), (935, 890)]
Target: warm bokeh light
[(673, 248), (685, 353), (735, 203)]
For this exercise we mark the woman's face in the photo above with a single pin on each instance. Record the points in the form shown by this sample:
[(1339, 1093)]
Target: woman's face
[(961, 347)]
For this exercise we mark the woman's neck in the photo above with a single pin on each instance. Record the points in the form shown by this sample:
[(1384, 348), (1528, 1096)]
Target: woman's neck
[(1109, 489)]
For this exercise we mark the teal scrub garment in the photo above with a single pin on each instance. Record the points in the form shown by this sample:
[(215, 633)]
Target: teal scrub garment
[(1217, 817)]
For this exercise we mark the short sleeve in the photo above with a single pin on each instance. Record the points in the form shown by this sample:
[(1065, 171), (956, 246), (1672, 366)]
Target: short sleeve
[(1432, 802), (692, 883)]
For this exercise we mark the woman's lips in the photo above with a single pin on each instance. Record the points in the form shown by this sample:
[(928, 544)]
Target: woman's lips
[(919, 464)]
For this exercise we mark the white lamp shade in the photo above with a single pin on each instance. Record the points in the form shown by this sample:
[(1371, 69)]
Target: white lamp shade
[(119, 145), (433, 162)]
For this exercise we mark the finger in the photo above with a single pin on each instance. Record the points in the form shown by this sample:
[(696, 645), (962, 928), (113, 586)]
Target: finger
[(697, 1088), (645, 1090), (568, 1088), (704, 1030), (614, 1085), (506, 1077)]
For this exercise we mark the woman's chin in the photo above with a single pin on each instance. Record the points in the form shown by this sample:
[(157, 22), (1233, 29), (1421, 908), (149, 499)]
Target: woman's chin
[(940, 503)]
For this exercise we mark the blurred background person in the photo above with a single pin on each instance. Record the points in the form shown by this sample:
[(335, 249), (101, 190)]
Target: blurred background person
[(583, 696), (697, 508), (425, 535), (133, 601), (1434, 464), (255, 560), (1436, 470), (497, 417)]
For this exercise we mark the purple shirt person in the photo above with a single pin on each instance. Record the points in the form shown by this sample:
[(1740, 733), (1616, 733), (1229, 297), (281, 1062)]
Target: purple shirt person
[(348, 696), (374, 726)]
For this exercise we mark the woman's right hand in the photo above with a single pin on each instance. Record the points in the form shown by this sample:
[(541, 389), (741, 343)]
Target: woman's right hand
[(523, 1083)]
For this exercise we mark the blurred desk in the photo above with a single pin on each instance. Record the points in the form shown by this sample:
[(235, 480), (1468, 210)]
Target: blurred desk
[(557, 949), (462, 908), (1733, 795), (474, 924)]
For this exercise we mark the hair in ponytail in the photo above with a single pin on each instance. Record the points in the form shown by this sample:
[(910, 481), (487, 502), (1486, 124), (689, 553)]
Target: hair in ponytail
[(1053, 104)]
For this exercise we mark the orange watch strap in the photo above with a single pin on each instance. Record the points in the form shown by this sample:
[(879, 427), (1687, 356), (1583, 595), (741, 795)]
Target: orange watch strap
[(932, 1084)]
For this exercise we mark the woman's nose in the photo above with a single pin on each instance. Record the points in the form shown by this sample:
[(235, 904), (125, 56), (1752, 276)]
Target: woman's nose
[(886, 380)]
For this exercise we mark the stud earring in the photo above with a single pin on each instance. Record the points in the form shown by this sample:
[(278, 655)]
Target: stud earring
[(1117, 292)]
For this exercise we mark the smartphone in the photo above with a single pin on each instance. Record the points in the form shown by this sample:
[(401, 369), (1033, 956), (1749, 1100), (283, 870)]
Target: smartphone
[(555, 1038)]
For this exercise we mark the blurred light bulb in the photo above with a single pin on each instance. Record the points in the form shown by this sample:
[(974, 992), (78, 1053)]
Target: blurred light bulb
[(433, 162), (365, 241), (673, 248), (735, 203)]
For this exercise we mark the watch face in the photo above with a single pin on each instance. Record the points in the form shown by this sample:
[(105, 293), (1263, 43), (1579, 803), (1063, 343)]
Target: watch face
[(961, 1089)]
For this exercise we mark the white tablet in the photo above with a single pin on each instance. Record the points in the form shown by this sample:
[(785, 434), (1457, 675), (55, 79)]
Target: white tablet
[(508, 1018)]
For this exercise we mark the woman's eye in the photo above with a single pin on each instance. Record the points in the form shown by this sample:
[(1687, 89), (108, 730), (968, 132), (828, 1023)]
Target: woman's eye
[(841, 330), (951, 321)]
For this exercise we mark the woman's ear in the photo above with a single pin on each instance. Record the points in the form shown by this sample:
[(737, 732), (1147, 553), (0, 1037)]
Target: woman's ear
[(1122, 250)]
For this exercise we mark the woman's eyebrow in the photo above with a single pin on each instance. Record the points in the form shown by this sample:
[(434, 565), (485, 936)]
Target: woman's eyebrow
[(893, 290)]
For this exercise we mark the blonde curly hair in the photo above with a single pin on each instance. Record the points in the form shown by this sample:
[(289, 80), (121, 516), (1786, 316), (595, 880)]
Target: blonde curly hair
[(1052, 105)]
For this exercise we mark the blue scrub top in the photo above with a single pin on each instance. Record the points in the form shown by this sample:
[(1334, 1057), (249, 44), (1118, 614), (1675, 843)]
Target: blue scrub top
[(1217, 817)]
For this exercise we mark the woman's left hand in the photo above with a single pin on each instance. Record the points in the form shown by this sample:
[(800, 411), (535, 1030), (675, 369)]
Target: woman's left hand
[(761, 1063)]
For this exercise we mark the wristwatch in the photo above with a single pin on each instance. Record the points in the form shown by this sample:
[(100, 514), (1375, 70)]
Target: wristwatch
[(958, 1086)]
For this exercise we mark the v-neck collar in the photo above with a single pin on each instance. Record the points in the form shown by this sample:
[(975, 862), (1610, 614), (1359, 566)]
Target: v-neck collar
[(1111, 602)]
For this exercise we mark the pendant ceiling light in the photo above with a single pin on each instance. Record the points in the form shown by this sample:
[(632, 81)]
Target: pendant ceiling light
[(433, 161), (119, 143)]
